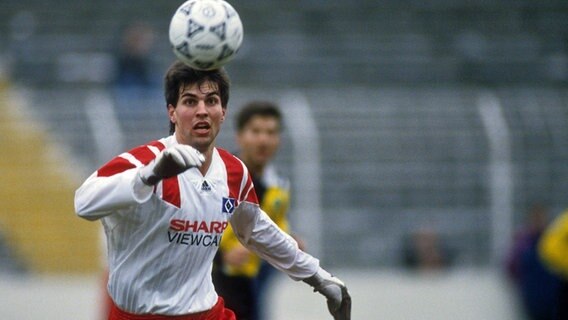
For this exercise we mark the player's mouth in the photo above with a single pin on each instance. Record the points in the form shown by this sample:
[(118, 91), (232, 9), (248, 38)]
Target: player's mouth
[(202, 128)]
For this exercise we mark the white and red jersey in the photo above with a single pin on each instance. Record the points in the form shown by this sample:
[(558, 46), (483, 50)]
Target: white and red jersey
[(162, 239)]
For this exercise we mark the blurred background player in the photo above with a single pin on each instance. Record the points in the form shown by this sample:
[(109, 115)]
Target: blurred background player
[(240, 276), (553, 251), (536, 286)]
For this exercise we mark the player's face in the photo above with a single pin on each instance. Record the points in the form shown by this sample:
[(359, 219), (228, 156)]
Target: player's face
[(259, 140), (198, 115)]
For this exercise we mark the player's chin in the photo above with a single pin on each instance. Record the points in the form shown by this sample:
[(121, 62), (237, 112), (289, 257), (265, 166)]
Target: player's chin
[(202, 134), (201, 143), (263, 157)]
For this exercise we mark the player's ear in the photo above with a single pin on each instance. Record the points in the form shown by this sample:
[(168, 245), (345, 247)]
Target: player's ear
[(224, 111), (171, 113)]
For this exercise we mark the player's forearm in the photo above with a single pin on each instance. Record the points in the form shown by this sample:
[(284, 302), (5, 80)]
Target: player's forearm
[(262, 236), (100, 196)]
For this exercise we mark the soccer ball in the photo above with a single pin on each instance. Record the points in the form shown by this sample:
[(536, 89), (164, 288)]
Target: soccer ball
[(205, 34)]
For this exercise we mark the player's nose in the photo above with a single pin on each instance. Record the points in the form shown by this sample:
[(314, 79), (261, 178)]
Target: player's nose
[(201, 108)]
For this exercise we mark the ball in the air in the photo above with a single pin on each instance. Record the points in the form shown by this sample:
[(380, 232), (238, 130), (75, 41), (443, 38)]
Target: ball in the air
[(206, 34)]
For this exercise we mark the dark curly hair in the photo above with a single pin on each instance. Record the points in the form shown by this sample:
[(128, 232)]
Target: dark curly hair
[(180, 75), (257, 108)]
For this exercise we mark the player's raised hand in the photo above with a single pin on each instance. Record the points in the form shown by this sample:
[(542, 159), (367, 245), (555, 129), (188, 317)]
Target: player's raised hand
[(338, 298), (171, 162)]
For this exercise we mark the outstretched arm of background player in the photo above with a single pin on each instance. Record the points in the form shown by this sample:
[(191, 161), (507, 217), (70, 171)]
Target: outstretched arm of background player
[(101, 195), (259, 233)]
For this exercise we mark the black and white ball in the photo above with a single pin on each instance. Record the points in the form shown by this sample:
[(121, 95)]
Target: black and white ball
[(206, 34)]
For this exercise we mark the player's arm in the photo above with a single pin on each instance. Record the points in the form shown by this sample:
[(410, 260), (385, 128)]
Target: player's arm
[(233, 253), (259, 233), (100, 195)]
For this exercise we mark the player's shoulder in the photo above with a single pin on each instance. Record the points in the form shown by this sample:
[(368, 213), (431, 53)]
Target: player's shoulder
[(238, 178), (135, 157), (148, 151), (224, 153), (159, 144), (231, 161)]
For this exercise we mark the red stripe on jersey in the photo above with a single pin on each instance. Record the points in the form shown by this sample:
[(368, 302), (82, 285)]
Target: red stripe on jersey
[(249, 192), (118, 164), (170, 191), (235, 174), (144, 154), (157, 144)]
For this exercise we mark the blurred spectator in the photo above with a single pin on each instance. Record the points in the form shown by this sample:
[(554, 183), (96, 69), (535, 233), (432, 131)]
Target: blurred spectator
[(536, 285), (553, 250), (133, 68), (424, 250)]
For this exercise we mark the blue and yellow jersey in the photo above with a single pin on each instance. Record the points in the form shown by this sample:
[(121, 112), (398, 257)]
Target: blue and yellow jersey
[(553, 246), (273, 192)]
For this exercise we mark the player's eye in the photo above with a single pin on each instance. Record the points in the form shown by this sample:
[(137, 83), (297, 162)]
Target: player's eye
[(190, 101), (212, 100)]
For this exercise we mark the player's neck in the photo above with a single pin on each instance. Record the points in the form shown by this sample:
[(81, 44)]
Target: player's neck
[(208, 153)]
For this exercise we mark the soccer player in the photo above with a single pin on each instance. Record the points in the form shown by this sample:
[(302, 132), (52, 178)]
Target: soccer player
[(239, 275), (164, 207), (553, 250)]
